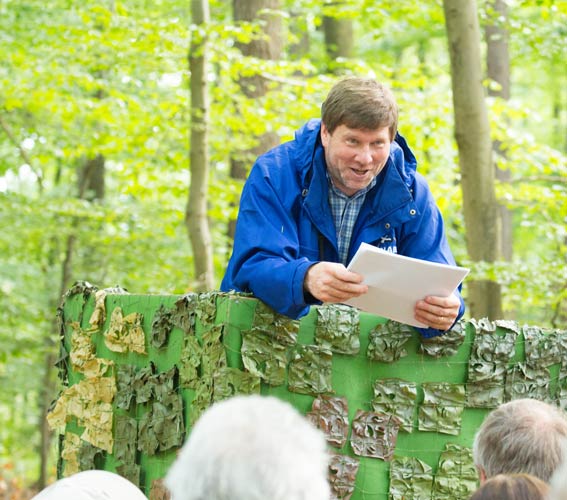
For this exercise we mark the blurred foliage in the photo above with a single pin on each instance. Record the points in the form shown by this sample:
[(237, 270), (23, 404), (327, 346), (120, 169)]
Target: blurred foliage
[(80, 79)]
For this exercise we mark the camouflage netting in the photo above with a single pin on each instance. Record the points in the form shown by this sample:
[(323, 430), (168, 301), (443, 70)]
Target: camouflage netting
[(399, 412)]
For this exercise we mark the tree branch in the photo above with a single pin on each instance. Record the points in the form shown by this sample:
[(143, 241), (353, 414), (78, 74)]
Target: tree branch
[(22, 152), (537, 178)]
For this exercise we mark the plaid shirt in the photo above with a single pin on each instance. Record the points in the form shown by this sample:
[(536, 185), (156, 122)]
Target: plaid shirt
[(345, 210)]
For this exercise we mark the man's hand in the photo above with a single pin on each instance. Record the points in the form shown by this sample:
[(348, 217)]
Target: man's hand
[(332, 282), (438, 312)]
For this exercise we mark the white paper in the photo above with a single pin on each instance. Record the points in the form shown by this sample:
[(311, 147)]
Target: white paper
[(396, 283)]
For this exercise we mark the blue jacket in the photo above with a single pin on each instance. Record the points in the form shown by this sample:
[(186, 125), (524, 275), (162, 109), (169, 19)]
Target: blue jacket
[(285, 224)]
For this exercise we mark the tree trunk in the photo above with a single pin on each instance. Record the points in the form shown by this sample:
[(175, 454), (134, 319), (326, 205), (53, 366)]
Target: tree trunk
[(49, 385), (256, 86), (90, 180), (90, 186), (196, 211), (472, 132), (46, 395), (298, 27), (339, 41), (498, 70), (558, 85)]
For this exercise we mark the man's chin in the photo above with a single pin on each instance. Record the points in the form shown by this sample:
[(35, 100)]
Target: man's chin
[(358, 184)]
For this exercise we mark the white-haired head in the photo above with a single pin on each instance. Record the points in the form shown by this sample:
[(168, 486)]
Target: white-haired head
[(91, 485), (559, 479), (521, 436), (251, 448)]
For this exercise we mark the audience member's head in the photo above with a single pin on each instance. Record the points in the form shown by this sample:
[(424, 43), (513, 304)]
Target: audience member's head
[(251, 448), (91, 485), (512, 487), (522, 436), (558, 489)]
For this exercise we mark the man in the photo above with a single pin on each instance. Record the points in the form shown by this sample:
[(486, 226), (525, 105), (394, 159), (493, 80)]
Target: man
[(251, 448), (91, 485), (512, 487), (558, 490), (308, 204), (521, 436)]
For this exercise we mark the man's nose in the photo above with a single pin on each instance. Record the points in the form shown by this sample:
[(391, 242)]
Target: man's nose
[(364, 155)]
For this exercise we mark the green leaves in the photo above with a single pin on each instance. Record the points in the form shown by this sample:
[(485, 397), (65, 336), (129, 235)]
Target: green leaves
[(111, 78)]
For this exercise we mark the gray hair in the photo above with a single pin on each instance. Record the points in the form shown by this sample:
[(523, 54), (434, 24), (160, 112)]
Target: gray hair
[(360, 103), (91, 485), (251, 448), (558, 490), (521, 436), (512, 487)]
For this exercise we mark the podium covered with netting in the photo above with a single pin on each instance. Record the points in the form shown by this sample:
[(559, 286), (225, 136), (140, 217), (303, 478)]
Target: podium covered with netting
[(399, 412)]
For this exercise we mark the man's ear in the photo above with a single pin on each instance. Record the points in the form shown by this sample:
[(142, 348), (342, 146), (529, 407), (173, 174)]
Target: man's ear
[(481, 474), (324, 135)]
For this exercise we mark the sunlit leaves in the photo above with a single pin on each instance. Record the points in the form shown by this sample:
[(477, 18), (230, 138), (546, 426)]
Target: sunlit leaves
[(111, 78)]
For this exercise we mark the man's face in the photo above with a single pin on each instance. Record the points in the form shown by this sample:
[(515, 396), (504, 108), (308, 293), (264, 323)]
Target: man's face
[(355, 156)]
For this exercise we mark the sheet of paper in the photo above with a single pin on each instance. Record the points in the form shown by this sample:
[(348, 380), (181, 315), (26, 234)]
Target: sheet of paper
[(396, 283)]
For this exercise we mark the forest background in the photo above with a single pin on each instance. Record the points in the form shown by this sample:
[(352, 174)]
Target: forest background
[(122, 159)]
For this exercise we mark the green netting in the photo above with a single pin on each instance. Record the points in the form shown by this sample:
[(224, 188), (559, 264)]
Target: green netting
[(396, 409)]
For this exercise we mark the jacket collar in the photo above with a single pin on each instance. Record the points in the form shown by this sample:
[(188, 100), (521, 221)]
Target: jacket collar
[(391, 194)]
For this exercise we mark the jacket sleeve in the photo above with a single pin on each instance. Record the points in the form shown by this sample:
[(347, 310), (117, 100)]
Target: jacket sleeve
[(266, 258), (425, 239)]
